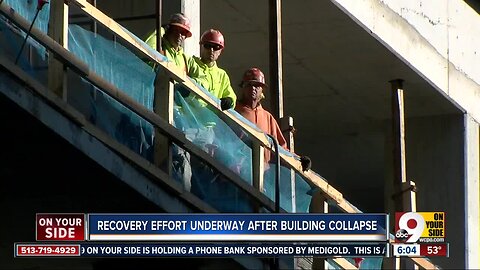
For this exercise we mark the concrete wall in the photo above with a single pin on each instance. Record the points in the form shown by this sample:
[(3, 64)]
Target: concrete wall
[(435, 162), (352, 163), (435, 150)]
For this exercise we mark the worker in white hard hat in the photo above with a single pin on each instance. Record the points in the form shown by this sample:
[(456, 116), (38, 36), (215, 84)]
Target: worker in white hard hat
[(176, 31)]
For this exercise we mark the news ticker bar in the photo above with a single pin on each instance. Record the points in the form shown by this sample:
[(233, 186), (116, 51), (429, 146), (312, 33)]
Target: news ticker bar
[(421, 250), (229, 249), (200, 250)]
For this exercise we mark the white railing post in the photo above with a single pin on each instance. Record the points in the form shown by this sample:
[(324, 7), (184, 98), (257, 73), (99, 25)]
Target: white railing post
[(258, 166), (58, 31), (286, 125)]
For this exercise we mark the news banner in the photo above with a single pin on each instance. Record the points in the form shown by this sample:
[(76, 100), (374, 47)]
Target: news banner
[(231, 235)]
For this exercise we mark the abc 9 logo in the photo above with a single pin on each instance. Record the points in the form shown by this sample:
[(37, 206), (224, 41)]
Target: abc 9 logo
[(410, 227)]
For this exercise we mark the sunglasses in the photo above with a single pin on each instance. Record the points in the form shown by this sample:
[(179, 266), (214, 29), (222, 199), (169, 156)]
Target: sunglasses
[(209, 46), (253, 84)]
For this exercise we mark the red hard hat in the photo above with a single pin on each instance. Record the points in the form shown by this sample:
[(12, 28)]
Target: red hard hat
[(213, 36), (254, 75), (180, 20)]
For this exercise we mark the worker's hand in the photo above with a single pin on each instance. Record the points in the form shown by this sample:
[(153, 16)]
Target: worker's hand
[(306, 163), (226, 103)]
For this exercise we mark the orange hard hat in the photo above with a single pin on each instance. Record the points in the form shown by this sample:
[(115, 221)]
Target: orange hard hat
[(254, 75), (213, 36), (180, 20)]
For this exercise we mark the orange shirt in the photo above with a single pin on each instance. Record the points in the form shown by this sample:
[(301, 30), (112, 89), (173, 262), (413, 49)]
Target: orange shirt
[(265, 121)]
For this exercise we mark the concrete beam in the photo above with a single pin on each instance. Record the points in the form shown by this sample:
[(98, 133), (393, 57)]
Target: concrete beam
[(472, 193), (441, 61)]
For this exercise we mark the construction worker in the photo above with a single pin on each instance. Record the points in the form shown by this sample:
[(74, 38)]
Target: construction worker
[(248, 105), (176, 31), (208, 74)]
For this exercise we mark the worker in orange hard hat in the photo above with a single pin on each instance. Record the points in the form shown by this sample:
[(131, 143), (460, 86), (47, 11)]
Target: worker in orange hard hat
[(248, 105), (209, 75), (176, 31), (253, 84), (217, 82), (253, 75), (219, 192)]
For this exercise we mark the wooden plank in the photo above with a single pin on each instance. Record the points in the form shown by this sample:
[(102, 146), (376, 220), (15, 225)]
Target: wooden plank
[(286, 125), (58, 31), (158, 24), (402, 197), (344, 263), (275, 57), (163, 106), (424, 263), (319, 204), (399, 157), (258, 165), (409, 196)]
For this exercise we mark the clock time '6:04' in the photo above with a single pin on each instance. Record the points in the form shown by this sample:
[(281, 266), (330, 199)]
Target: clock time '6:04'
[(406, 250)]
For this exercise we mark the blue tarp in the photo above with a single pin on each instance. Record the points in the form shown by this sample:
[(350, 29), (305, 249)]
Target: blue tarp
[(128, 72)]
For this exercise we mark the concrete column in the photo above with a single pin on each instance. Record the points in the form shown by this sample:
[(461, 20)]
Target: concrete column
[(472, 196), (191, 8)]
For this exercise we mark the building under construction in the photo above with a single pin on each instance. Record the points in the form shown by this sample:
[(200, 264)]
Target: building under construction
[(383, 96)]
